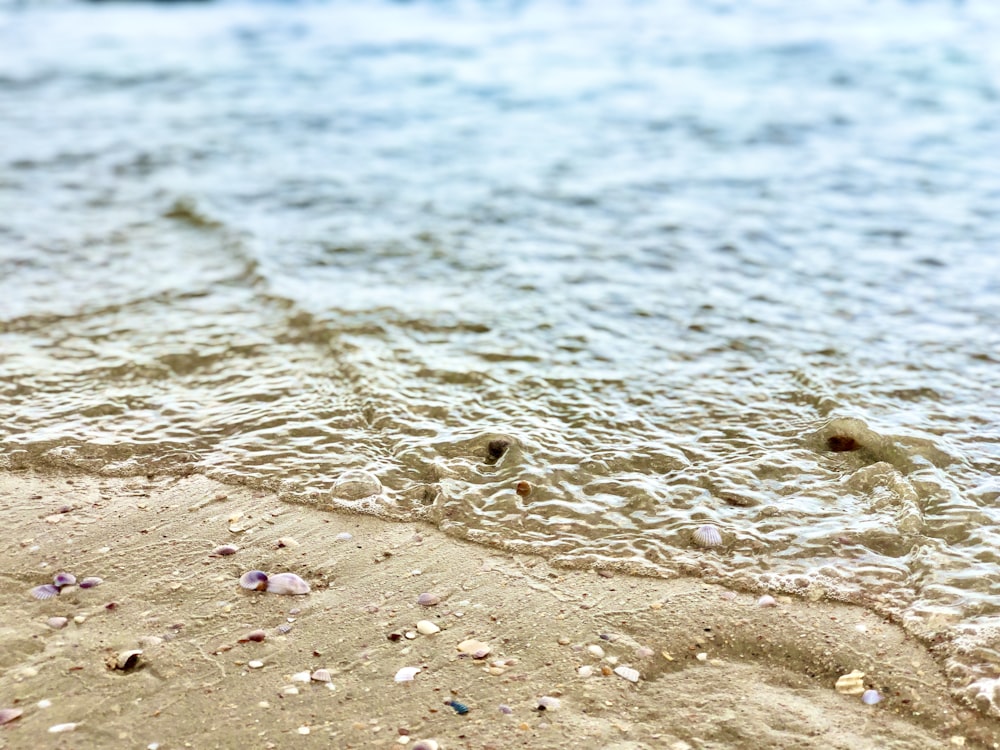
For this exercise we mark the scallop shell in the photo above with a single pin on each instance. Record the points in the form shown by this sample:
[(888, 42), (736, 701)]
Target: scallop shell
[(45, 591), (287, 584), (9, 714), (63, 579), (851, 684), (707, 536), (406, 674), (254, 580), (321, 675), (90, 582)]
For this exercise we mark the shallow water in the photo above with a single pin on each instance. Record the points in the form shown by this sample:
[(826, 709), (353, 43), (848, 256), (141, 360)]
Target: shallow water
[(669, 254)]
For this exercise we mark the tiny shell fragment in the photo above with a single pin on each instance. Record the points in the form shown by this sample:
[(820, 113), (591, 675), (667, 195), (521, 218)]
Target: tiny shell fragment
[(60, 728), (627, 673), (585, 671), (255, 664), (9, 714), (406, 674), (302, 676), (851, 684)]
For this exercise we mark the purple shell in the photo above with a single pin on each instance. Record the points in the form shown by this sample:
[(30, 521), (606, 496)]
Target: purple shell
[(288, 584), (428, 600), (871, 697), (63, 579), (91, 582), (255, 580), (45, 591)]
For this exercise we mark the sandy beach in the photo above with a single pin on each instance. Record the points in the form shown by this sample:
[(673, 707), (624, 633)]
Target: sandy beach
[(715, 669)]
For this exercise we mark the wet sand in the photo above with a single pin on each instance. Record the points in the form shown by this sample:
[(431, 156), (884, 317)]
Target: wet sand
[(716, 670)]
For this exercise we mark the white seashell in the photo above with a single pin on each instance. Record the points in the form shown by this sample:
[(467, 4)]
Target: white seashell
[(627, 673), (60, 728), (127, 660), (871, 697), (255, 664), (287, 584), (426, 627), (851, 684), (302, 676), (596, 651), (767, 601), (343, 536), (356, 484), (9, 714), (474, 648), (322, 675), (548, 703), (406, 674), (585, 671), (425, 745), (707, 536), (57, 623)]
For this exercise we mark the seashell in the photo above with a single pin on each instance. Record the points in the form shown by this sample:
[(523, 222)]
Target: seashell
[(287, 541), (627, 673), (287, 584), (523, 489), (225, 549), (426, 627), (284, 628), (321, 675), (596, 651), (344, 536), (406, 674), (356, 484), (63, 579), (255, 664), (8, 715), (585, 671), (707, 536), (851, 684), (90, 582), (475, 649), (57, 623), (871, 697), (254, 580), (767, 601), (505, 709), (45, 591), (428, 600), (460, 708), (127, 660), (425, 745), (548, 703), (60, 728)]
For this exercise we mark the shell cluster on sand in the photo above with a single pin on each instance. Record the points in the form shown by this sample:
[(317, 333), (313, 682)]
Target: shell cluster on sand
[(287, 584), (61, 581)]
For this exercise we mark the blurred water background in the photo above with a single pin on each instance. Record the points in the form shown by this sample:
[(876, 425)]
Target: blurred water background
[(671, 263)]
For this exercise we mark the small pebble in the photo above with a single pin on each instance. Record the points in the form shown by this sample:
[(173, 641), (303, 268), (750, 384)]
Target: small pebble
[(426, 627), (343, 536), (303, 730), (523, 489), (596, 651), (57, 623), (255, 664), (702, 656), (505, 709)]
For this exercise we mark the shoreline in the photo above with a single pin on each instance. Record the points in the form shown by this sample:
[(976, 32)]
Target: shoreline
[(715, 669)]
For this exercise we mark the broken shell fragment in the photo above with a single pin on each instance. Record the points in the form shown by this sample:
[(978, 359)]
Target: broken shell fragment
[(627, 673), (871, 697), (254, 580), (46, 591), (426, 627), (9, 714), (475, 649), (90, 582), (127, 660), (707, 536), (286, 584), (428, 600), (851, 684), (60, 728), (63, 579), (406, 674)]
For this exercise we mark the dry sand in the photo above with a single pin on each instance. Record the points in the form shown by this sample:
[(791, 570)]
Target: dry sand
[(765, 678)]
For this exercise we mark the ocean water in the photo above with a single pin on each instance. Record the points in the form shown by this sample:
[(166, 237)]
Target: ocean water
[(670, 263)]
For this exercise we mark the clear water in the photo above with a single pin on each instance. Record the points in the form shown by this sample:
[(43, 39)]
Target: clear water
[(671, 253)]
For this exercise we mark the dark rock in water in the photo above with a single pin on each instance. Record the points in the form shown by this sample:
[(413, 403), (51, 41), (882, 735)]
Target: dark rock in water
[(496, 448), (842, 444)]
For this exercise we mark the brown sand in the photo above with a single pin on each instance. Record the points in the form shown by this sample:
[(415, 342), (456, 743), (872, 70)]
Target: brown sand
[(765, 681)]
